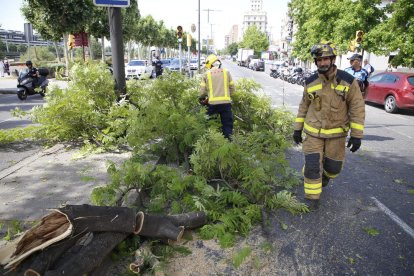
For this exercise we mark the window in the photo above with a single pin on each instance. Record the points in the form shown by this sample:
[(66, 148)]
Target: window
[(388, 78), (411, 80), (376, 78)]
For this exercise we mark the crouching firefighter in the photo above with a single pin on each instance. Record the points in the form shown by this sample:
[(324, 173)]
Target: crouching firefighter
[(331, 106), (216, 88)]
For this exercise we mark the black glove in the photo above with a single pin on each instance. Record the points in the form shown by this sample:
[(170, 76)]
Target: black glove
[(355, 143), (203, 100), (297, 136)]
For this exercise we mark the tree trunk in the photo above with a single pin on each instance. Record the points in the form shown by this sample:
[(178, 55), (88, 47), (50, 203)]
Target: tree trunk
[(57, 50), (66, 52), (91, 56), (103, 48)]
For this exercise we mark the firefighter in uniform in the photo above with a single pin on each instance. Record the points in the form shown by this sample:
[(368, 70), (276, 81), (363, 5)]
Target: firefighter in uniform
[(216, 88), (332, 105)]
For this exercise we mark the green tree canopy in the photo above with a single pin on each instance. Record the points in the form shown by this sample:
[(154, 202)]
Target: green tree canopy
[(333, 20), (395, 33), (232, 49), (254, 39)]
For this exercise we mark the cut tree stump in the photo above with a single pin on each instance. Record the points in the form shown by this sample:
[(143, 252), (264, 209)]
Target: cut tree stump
[(52, 247)]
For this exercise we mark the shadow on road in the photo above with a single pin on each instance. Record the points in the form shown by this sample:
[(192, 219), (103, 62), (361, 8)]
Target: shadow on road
[(409, 112)]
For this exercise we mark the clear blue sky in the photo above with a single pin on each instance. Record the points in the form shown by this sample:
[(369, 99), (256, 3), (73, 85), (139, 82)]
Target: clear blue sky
[(178, 12)]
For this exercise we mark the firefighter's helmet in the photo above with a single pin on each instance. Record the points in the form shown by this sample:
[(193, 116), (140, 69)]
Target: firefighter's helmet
[(211, 59), (323, 49)]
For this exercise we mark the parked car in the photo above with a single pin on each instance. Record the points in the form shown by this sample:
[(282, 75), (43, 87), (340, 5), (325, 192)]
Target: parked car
[(258, 65), (165, 62), (175, 65), (194, 64), (136, 68), (395, 90)]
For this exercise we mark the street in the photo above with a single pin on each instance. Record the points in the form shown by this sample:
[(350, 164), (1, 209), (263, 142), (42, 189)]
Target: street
[(366, 219)]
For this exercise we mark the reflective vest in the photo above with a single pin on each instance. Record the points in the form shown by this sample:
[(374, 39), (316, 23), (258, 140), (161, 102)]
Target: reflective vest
[(218, 85)]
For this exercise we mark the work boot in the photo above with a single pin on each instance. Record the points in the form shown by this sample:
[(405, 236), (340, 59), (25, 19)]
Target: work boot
[(312, 204), (325, 180)]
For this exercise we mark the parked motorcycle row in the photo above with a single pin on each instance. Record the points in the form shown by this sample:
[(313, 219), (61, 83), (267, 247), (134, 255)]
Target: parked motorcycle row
[(292, 75)]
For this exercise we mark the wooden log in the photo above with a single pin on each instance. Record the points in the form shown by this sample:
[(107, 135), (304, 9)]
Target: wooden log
[(91, 256), (189, 220), (145, 256)]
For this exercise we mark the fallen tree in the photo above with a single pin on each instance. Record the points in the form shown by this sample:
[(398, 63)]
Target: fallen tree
[(75, 239)]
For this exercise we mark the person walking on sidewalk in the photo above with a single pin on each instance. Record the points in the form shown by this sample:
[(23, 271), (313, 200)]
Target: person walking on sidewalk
[(1, 68), (216, 88), (331, 105)]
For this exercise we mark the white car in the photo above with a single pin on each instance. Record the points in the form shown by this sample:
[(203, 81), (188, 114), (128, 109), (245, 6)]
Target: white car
[(136, 68), (194, 64)]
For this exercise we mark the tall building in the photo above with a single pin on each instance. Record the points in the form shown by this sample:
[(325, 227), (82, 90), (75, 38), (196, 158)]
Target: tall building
[(256, 16)]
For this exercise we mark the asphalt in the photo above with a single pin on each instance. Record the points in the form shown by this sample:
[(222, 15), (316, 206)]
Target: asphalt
[(8, 85)]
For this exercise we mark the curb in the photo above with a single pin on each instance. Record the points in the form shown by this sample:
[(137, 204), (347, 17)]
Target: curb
[(8, 90), (28, 160)]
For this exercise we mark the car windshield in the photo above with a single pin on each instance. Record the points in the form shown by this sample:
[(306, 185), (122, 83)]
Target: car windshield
[(193, 61), (136, 63), (165, 61), (177, 62)]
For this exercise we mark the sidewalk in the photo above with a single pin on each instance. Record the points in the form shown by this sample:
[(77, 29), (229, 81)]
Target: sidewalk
[(50, 178)]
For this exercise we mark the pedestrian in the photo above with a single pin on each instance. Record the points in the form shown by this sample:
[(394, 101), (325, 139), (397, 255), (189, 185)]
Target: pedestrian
[(158, 66), (358, 72), (216, 88), (1, 68), (331, 105), (368, 67), (7, 67)]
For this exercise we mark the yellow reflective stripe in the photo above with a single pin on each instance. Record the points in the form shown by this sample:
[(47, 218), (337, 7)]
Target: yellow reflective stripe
[(340, 87), (226, 88), (210, 85), (300, 120), (313, 189), (357, 126), (330, 175), (203, 84), (325, 131), (314, 88)]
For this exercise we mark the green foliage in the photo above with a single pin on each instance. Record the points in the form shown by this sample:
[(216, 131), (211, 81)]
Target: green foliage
[(371, 231), (14, 229), (395, 34), (241, 256), (333, 20), (86, 110), (253, 38), (232, 49)]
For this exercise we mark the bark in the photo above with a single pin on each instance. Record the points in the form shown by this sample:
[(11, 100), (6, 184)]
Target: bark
[(91, 256)]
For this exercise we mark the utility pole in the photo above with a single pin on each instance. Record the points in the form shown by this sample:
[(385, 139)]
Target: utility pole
[(199, 39)]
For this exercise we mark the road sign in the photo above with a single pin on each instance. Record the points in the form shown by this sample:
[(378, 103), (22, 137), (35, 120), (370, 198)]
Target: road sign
[(112, 3), (81, 39)]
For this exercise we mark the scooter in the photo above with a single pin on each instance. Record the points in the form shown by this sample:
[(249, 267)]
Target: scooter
[(25, 85)]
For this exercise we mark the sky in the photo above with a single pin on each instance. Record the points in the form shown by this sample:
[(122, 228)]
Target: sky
[(179, 12)]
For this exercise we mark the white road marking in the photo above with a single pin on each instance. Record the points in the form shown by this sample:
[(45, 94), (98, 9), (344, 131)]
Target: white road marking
[(394, 217), (7, 120), (398, 132)]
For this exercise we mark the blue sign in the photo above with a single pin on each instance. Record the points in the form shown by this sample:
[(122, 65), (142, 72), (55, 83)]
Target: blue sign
[(111, 3)]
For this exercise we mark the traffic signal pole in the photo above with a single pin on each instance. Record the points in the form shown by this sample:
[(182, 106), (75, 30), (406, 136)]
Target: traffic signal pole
[(117, 46)]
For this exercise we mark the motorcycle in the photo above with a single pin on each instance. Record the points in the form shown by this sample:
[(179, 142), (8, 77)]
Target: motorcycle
[(25, 86)]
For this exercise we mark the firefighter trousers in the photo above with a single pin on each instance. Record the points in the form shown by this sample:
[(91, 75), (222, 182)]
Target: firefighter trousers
[(323, 156), (226, 117)]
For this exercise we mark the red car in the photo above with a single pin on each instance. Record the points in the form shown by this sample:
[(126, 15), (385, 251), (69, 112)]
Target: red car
[(392, 89)]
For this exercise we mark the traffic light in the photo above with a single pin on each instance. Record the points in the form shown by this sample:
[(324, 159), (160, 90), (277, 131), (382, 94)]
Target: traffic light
[(358, 36), (179, 32), (71, 41)]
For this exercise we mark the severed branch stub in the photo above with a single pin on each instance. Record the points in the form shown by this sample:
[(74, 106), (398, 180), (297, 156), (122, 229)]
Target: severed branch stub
[(52, 247)]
